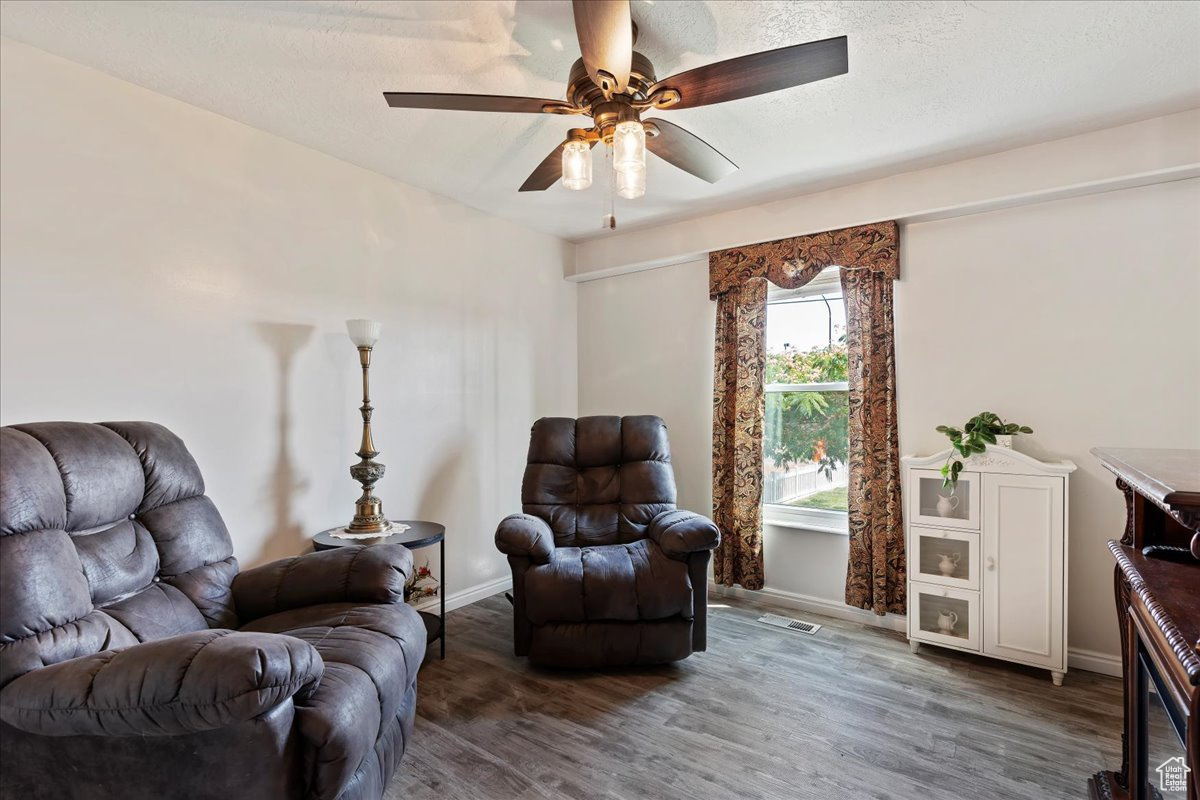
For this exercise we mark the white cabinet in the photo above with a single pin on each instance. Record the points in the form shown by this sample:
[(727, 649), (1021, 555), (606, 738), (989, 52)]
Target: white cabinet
[(987, 565)]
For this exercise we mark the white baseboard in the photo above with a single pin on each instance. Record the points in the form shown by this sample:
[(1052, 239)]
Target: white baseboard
[(1077, 658), (1092, 661), (469, 595), (813, 605)]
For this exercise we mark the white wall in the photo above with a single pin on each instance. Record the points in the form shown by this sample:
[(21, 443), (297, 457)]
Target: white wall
[(1137, 154), (1074, 317), (161, 262), (646, 347)]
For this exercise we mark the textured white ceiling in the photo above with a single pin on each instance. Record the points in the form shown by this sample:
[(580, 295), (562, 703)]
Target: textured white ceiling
[(929, 82)]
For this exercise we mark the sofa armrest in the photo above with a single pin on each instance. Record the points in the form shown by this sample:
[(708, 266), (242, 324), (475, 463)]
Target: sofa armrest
[(185, 684), (525, 535), (680, 533), (372, 574)]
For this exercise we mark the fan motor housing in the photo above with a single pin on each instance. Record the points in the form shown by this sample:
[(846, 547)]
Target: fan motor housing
[(583, 93)]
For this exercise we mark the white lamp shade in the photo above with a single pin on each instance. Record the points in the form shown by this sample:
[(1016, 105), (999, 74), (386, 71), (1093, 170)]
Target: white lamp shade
[(363, 332)]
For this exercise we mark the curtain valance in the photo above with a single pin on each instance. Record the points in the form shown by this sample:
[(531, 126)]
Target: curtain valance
[(792, 262)]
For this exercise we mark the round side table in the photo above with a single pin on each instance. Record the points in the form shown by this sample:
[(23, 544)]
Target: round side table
[(419, 534)]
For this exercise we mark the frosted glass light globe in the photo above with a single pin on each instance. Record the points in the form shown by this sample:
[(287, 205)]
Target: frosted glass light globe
[(363, 332)]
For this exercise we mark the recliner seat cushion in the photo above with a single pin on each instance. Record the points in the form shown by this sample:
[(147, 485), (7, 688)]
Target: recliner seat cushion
[(617, 582)]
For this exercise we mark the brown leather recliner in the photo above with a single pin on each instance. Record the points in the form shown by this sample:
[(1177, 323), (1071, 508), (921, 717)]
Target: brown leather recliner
[(137, 662), (606, 571)]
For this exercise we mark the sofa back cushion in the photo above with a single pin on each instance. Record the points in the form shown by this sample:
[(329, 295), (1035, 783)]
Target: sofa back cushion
[(598, 480), (106, 540)]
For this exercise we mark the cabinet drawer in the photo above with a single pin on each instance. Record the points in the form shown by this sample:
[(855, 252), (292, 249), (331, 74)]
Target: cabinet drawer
[(944, 557), (943, 615), (930, 504)]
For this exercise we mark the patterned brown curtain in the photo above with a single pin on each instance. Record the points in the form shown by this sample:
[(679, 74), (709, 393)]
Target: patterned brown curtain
[(875, 570), (738, 282)]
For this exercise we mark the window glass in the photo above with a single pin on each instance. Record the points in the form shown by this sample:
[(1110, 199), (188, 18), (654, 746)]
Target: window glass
[(805, 437)]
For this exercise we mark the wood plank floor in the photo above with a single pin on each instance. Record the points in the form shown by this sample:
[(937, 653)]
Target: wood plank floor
[(765, 713)]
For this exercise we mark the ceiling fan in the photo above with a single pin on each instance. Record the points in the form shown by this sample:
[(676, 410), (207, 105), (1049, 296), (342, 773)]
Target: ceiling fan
[(614, 85)]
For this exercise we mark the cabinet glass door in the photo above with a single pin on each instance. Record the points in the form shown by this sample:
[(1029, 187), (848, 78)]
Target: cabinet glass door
[(944, 557), (946, 616), (930, 504)]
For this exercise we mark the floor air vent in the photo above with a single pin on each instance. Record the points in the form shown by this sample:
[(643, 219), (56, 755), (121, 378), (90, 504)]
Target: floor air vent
[(789, 623)]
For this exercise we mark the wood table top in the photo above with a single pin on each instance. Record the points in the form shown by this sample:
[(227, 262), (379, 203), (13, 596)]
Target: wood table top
[(1169, 477)]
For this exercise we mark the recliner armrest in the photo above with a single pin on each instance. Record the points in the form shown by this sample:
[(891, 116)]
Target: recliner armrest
[(680, 533), (372, 574), (525, 535), (185, 684)]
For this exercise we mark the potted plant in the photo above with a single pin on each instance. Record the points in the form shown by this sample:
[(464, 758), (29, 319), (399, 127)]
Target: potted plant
[(979, 431)]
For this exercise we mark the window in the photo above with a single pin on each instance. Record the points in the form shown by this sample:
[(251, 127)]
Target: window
[(805, 437)]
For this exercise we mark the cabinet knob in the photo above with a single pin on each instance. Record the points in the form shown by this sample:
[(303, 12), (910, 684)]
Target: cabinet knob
[(991, 563)]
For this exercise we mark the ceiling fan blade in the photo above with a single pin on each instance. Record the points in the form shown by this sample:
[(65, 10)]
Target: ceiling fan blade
[(547, 173), (605, 30), (758, 73), (469, 102), (689, 152)]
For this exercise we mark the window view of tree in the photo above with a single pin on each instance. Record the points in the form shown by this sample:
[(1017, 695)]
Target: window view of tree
[(811, 426), (806, 439)]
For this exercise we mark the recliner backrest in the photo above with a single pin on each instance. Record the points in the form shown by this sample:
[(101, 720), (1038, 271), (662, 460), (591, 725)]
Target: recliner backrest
[(106, 540), (598, 480)]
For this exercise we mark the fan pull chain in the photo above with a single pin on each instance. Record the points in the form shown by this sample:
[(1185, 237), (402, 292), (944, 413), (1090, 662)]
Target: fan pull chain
[(609, 221)]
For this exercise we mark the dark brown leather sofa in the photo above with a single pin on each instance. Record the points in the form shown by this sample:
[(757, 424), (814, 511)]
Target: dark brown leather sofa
[(136, 661), (606, 571)]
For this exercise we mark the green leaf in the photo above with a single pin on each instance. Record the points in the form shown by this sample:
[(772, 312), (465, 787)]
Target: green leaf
[(989, 437), (942, 429), (1025, 429)]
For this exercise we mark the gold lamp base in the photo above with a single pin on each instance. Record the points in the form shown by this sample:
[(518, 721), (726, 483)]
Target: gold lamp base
[(368, 510)]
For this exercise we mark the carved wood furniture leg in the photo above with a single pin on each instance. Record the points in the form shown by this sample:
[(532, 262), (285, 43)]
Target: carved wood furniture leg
[(1135, 691), (1121, 593), (1193, 748), (1057, 677)]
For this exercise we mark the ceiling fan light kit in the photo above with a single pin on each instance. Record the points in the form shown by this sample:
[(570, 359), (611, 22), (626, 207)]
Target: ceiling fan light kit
[(577, 163), (631, 182), (614, 84)]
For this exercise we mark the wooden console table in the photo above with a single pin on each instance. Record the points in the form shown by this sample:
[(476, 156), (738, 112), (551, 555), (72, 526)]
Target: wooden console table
[(1158, 606)]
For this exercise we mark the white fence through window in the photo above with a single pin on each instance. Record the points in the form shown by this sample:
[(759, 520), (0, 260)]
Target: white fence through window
[(799, 482)]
